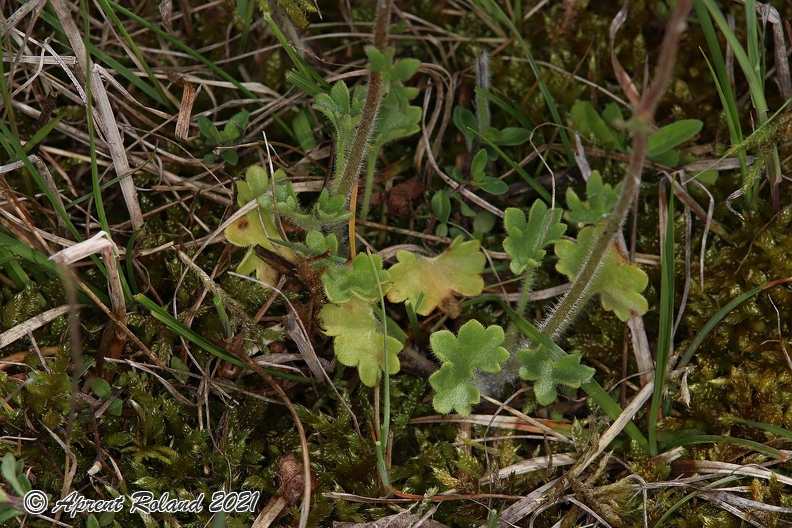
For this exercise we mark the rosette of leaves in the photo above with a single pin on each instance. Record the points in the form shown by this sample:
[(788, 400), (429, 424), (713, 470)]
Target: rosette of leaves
[(223, 139), (349, 317), (257, 227), (479, 177)]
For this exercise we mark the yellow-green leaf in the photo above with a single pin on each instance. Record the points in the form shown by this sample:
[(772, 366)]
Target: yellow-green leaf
[(457, 270), (618, 282), (358, 341)]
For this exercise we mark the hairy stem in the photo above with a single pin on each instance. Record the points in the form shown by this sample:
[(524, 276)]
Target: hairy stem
[(367, 191), (575, 299), (343, 183), (526, 289)]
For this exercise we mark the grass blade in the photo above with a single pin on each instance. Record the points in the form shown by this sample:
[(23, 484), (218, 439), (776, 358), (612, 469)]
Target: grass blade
[(720, 314), (665, 337), (495, 10)]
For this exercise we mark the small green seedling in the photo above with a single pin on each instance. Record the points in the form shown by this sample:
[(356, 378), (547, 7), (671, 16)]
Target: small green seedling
[(14, 474), (220, 141), (479, 176), (441, 206), (258, 227)]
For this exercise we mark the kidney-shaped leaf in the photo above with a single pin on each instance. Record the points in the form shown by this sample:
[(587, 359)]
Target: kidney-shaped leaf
[(458, 270), (475, 347)]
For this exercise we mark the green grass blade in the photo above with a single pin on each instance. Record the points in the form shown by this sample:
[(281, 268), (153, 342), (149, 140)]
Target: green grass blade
[(13, 269), (246, 10), (780, 431), (722, 84), (516, 166), (752, 70), (39, 136), (511, 109), (40, 261), (665, 337), (752, 36), (108, 10), (107, 59), (185, 48), (127, 74), (693, 495), (755, 82), (495, 10), (748, 444), (310, 82), (718, 317)]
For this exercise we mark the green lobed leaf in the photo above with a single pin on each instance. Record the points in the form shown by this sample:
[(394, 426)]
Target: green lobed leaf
[(475, 347), (395, 120), (358, 342), (600, 201), (618, 282), (343, 283), (537, 366), (340, 96), (378, 61), (321, 243), (403, 69), (331, 209), (255, 184), (258, 226), (458, 269), (527, 238)]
